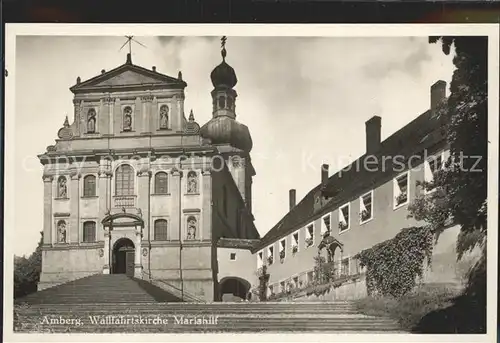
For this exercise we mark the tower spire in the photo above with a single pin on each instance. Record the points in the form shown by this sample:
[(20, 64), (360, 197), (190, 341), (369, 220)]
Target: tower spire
[(223, 47)]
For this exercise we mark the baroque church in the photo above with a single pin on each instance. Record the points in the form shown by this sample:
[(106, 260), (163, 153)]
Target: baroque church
[(135, 186)]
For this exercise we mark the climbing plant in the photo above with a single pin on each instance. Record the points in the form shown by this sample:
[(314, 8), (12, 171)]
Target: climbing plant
[(393, 266), (324, 272)]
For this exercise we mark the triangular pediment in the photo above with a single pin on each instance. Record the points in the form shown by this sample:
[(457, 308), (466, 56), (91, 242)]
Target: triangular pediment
[(128, 76)]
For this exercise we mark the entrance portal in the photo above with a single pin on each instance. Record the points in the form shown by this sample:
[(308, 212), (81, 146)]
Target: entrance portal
[(233, 289), (123, 257)]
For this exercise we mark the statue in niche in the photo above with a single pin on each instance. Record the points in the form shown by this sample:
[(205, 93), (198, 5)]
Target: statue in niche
[(164, 117), (91, 121), (191, 229), (192, 182), (61, 231), (62, 191), (127, 119)]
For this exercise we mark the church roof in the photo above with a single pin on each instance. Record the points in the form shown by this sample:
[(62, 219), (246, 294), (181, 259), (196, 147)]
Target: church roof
[(128, 76), (422, 133)]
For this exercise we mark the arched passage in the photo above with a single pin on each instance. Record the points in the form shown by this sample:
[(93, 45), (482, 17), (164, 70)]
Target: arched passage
[(123, 257), (235, 286)]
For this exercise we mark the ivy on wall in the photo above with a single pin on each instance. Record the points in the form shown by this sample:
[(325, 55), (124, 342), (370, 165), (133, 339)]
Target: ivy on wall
[(393, 266)]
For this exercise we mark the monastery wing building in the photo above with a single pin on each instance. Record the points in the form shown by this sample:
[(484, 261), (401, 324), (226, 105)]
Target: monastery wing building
[(134, 186)]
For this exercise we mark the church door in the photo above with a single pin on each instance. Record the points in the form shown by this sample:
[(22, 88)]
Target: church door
[(130, 263), (123, 257)]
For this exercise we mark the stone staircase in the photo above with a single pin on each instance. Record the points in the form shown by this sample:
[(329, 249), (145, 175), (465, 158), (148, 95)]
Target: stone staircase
[(119, 304)]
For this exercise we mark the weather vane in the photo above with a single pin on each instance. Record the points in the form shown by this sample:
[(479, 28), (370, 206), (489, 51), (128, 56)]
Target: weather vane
[(129, 42)]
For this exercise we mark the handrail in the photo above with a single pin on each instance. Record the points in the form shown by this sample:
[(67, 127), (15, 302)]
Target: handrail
[(183, 293)]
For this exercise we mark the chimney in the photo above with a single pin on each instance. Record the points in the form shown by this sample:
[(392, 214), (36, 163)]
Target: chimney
[(292, 198), (154, 68), (373, 126), (438, 93), (324, 174), (129, 59)]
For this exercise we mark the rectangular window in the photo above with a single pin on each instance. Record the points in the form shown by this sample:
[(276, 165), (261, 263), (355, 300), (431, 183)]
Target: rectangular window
[(283, 286), (89, 232), (282, 250), (344, 217), (271, 290), (295, 281), (325, 224), (232, 256), (366, 207), (295, 243), (270, 255), (260, 259), (344, 267), (401, 190), (310, 277), (433, 165), (309, 235)]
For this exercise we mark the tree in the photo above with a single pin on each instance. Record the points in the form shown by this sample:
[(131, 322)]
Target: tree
[(27, 271), (461, 188)]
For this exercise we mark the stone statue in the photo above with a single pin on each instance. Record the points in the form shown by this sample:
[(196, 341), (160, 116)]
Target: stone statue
[(62, 188), (191, 229), (192, 182), (127, 119), (164, 117), (91, 121), (61, 231)]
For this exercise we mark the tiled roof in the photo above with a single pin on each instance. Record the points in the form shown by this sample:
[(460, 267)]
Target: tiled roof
[(237, 243), (422, 133)]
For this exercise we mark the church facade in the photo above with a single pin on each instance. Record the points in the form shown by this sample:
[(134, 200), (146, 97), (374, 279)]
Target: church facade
[(135, 186)]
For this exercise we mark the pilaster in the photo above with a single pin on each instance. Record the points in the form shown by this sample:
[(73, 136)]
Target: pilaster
[(144, 189), (47, 208), (116, 117), (137, 254), (106, 268), (74, 228), (146, 115), (206, 213), (176, 194), (104, 196)]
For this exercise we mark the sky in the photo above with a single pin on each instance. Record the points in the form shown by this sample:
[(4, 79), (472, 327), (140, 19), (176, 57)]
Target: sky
[(304, 99)]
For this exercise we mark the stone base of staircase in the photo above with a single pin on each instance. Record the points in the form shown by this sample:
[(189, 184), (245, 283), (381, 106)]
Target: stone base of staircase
[(117, 303)]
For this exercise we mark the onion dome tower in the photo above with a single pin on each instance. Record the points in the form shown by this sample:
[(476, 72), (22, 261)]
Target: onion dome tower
[(223, 127)]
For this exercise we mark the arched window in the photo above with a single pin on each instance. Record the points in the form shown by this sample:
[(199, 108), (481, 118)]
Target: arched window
[(124, 180), (161, 229), (89, 186), (222, 102), (89, 232), (161, 183)]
